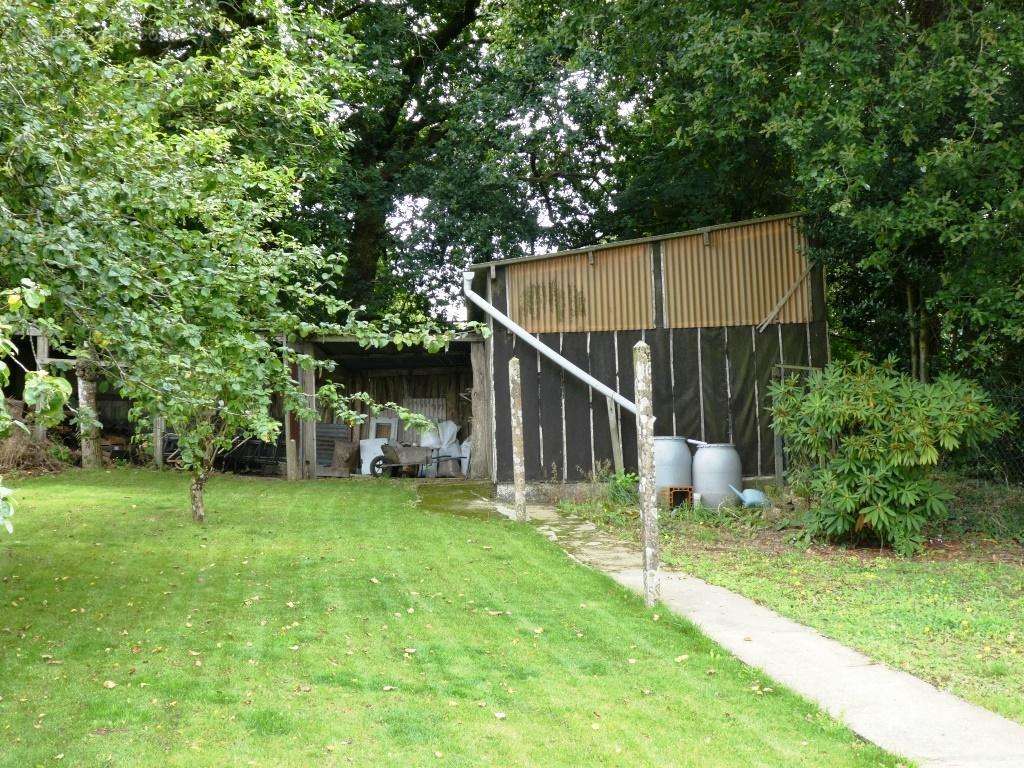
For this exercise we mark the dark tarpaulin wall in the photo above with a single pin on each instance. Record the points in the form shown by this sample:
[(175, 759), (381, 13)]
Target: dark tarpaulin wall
[(686, 378), (714, 386), (501, 350), (625, 341), (576, 401), (550, 401), (660, 342), (743, 394), (715, 376), (602, 368), (767, 354)]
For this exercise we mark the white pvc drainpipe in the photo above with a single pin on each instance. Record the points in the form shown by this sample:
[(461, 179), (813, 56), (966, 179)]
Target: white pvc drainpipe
[(544, 349)]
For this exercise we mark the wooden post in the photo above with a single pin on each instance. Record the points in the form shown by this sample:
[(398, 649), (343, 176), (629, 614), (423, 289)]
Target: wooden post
[(88, 424), (616, 435), (291, 452), (645, 462), (42, 356), (158, 440), (515, 388)]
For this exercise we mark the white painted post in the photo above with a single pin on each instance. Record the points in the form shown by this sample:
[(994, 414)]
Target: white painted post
[(515, 389), (645, 463)]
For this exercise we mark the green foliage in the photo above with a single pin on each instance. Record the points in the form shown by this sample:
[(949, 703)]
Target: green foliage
[(46, 395), (154, 155), (624, 489), (6, 508), (896, 128), (863, 439)]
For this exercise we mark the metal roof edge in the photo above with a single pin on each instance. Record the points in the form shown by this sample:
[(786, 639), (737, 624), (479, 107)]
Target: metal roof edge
[(635, 241)]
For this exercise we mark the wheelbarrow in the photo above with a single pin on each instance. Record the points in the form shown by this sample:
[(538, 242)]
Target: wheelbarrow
[(399, 459)]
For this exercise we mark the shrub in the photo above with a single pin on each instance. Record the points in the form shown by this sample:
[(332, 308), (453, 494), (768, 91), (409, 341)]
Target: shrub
[(624, 489), (862, 440)]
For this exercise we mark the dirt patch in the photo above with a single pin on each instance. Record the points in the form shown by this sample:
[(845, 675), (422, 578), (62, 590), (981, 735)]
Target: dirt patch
[(453, 497)]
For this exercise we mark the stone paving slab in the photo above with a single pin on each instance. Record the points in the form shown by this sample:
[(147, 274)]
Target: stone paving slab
[(893, 709)]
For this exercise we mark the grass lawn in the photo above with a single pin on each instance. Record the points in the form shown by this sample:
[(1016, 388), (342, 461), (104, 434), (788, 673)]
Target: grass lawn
[(954, 616), (337, 623)]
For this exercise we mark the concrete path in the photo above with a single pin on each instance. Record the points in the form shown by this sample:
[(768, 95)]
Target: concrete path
[(897, 711)]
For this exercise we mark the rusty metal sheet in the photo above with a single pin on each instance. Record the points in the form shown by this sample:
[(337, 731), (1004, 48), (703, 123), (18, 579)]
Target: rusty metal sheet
[(736, 275), (609, 289)]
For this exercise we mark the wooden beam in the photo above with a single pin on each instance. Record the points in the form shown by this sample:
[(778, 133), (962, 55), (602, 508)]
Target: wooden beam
[(616, 436), (158, 440)]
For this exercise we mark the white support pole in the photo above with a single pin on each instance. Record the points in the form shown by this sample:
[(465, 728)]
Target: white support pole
[(544, 349), (645, 463), (515, 388)]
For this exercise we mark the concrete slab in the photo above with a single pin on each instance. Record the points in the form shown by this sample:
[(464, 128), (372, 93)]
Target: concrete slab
[(895, 710)]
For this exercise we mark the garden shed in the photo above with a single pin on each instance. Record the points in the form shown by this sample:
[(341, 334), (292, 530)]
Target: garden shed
[(437, 385), (721, 307)]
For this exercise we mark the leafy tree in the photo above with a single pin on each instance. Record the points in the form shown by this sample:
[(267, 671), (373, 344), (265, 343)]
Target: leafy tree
[(895, 126), (140, 190)]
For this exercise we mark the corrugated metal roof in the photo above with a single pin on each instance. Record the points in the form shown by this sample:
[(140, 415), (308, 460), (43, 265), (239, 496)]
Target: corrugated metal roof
[(620, 243), (736, 276), (609, 290)]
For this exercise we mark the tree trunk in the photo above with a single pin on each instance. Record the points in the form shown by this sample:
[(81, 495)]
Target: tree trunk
[(195, 493), (912, 318), (88, 425), (367, 250), (922, 346)]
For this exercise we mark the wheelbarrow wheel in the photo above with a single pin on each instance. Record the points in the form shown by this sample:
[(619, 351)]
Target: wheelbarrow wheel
[(377, 466)]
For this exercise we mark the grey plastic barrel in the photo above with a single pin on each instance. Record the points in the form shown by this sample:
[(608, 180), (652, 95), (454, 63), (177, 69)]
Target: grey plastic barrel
[(672, 462), (716, 466)]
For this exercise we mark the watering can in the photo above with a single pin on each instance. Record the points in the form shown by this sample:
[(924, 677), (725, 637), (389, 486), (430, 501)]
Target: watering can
[(751, 497)]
